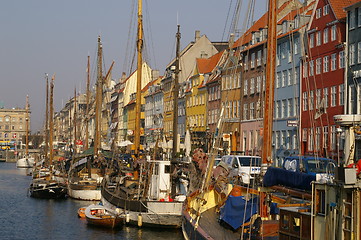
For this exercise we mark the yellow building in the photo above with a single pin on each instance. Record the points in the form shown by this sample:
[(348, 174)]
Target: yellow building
[(196, 98)]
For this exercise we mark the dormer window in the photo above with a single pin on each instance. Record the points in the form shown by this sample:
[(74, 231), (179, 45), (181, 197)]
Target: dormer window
[(326, 9), (284, 27), (297, 21), (261, 35)]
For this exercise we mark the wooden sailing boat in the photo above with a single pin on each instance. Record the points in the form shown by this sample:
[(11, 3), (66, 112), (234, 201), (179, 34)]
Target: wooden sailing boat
[(146, 201), (84, 179), (27, 161), (48, 186)]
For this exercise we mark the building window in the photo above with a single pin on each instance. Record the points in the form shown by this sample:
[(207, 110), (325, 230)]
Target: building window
[(284, 108), (289, 77), (333, 62), (245, 111), (359, 49), (352, 19), (283, 50), (251, 110), (259, 58), (253, 56), (325, 64), (296, 78), (258, 88), (333, 138), (341, 94), (304, 101), (312, 40), (326, 9), (325, 96), (351, 55), (289, 107), (325, 35), (311, 68), (312, 100), (333, 32), (318, 66), (341, 59), (278, 80), (318, 13), (359, 17), (278, 109), (278, 57), (318, 38), (245, 89), (295, 45), (333, 96), (251, 86), (318, 98), (284, 75), (246, 62)]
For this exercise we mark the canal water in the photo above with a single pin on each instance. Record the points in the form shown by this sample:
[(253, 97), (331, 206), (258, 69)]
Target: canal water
[(23, 217)]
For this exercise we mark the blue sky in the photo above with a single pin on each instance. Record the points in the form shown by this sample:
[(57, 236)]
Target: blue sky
[(48, 36)]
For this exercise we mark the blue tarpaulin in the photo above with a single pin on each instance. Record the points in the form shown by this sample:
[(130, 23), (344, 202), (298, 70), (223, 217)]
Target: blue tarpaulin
[(238, 211), (279, 176)]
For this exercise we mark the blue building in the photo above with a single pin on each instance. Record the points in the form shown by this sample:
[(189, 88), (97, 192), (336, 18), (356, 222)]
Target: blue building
[(287, 83)]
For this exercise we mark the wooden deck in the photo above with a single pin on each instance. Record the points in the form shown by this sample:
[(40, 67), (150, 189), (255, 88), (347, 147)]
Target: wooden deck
[(209, 223)]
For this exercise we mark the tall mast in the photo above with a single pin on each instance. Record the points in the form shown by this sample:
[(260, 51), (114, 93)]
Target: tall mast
[(87, 105), (51, 116), (175, 109), (74, 124), (269, 95), (139, 79), (47, 117), (175, 96), (27, 128), (98, 100)]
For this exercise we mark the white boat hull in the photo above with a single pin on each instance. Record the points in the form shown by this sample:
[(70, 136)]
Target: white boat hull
[(86, 195), (159, 214), (25, 162)]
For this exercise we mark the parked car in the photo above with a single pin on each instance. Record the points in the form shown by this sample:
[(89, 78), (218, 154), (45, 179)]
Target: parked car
[(309, 164), (243, 167)]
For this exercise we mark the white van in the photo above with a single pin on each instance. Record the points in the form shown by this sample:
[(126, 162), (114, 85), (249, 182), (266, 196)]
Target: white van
[(245, 167)]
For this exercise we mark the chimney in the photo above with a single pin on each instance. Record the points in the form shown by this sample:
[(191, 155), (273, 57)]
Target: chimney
[(197, 35), (231, 40), (155, 74), (123, 77)]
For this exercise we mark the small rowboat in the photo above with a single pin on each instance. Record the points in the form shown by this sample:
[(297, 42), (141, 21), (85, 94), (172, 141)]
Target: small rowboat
[(81, 212), (99, 215)]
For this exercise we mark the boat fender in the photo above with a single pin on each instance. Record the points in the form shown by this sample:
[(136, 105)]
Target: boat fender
[(127, 217), (140, 220)]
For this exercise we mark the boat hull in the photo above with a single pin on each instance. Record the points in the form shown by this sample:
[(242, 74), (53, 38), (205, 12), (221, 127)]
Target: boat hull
[(153, 213), (56, 191), (85, 194), (25, 163), (101, 216)]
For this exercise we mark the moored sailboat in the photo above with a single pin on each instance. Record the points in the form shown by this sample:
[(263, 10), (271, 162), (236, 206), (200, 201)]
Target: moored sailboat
[(26, 161), (84, 178), (48, 186), (146, 197)]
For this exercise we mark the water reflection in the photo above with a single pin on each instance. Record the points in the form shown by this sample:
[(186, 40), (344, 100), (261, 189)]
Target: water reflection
[(23, 217)]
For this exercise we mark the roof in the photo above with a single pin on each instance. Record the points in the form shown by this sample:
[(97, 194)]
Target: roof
[(206, 65), (260, 24), (338, 6)]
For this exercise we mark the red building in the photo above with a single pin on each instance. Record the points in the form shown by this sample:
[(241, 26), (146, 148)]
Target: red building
[(323, 72)]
